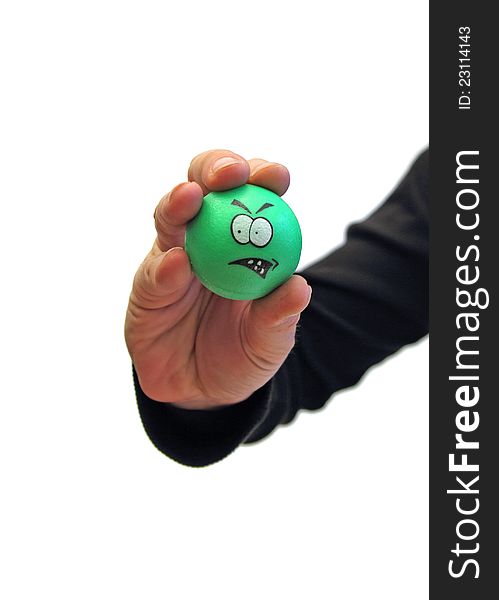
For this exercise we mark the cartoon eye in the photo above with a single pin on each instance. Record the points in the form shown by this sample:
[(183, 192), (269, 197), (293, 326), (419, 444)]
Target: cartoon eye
[(260, 232), (240, 228)]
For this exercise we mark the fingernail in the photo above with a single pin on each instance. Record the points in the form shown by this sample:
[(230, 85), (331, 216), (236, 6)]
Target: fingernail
[(262, 166), (309, 293), (224, 161), (174, 249)]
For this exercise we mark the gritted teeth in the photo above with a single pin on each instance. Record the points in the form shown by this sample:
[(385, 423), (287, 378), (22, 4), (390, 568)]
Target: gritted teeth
[(260, 266)]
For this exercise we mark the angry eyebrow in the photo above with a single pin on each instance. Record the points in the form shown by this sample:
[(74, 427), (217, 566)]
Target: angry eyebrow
[(241, 205), (264, 206)]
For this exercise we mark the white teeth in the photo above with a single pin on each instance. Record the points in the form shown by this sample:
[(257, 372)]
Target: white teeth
[(259, 266)]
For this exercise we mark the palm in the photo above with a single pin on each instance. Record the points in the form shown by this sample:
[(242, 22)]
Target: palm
[(201, 349)]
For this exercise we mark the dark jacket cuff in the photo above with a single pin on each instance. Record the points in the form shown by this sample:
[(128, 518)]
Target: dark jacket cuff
[(199, 438)]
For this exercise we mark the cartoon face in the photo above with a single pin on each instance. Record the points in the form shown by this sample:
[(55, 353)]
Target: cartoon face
[(244, 242)]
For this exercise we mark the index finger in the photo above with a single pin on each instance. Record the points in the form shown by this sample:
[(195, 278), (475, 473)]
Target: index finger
[(217, 170)]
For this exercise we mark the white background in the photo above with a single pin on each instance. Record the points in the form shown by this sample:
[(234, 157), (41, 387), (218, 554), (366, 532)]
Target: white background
[(103, 104)]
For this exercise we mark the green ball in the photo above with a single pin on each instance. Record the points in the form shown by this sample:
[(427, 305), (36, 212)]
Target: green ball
[(243, 242)]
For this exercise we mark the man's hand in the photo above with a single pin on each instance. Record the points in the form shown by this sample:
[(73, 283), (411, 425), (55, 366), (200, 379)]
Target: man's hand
[(189, 346)]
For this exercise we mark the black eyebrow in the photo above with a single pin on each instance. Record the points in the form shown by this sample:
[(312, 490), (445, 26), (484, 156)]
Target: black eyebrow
[(240, 204), (264, 206)]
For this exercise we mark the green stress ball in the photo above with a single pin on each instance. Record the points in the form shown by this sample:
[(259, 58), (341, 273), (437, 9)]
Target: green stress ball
[(244, 242)]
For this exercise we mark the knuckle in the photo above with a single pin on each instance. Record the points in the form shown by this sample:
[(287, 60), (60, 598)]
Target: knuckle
[(160, 219), (144, 281), (160, 209)]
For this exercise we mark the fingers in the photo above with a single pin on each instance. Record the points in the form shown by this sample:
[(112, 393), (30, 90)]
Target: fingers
[(271, 322), (217, 170), (223, 170), (174, 211), (161, 279), (210, 171), (270, 175)]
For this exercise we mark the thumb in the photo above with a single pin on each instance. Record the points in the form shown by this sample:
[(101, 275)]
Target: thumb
[(271, 321)]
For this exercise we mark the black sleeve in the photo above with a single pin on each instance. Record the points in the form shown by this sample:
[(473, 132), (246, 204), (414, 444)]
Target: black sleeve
[(370, 297)]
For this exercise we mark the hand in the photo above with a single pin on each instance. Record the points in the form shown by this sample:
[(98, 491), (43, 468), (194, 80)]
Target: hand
[(189, 346)]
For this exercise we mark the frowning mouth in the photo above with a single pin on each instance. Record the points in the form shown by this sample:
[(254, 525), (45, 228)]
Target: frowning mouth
[(260, 266)]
